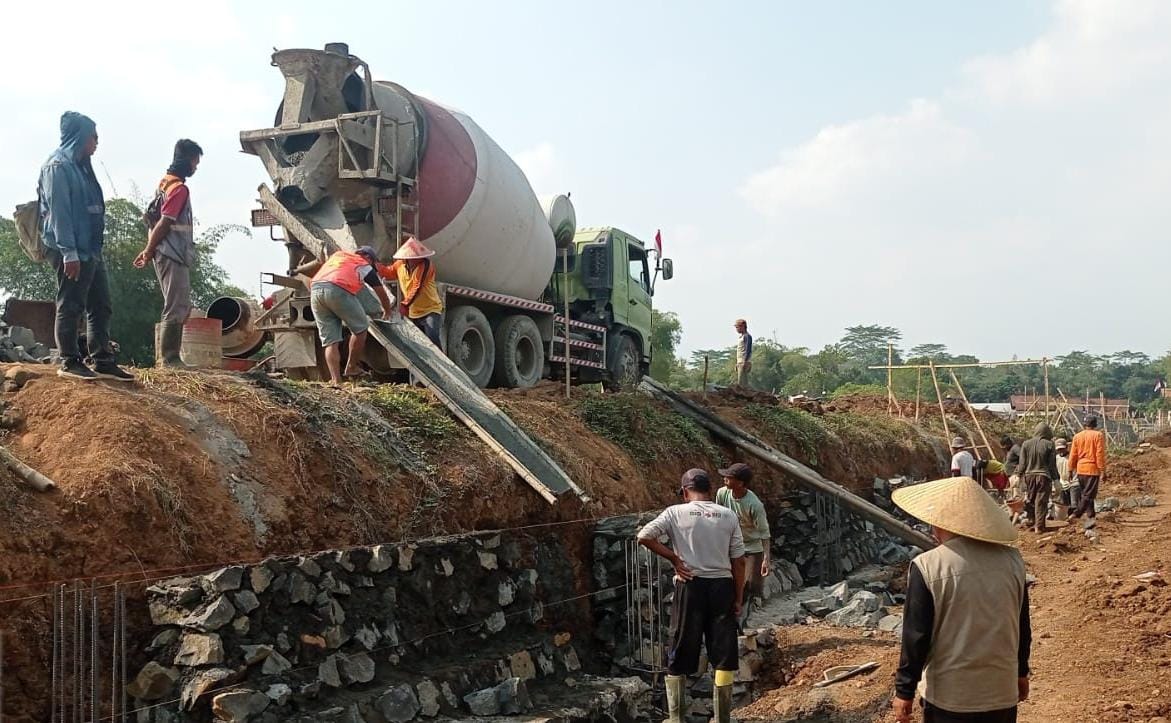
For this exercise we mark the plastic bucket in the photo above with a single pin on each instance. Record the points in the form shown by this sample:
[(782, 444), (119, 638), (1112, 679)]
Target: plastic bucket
[(1060, 512), (201, 346)]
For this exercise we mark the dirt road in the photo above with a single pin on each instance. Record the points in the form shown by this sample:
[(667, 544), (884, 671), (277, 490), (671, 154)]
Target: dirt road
[(1102, 639)]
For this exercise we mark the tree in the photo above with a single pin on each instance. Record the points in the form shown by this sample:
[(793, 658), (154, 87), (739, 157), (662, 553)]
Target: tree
[(866, 346), (925, 352), (134, 293), (666, 332)]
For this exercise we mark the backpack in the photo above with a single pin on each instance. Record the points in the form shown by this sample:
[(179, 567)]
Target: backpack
[(154, 210), (28, 230)]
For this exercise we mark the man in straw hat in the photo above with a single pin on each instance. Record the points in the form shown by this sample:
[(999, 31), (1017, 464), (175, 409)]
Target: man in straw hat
[(707, 551), (1039, 470), (337, 298), (962, 461), (966, 631), (418, 297)]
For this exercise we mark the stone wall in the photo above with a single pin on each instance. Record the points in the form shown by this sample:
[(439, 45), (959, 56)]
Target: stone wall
[(465, 625)]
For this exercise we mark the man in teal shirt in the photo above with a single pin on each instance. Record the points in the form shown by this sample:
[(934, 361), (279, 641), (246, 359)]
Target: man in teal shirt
[(748, 508)]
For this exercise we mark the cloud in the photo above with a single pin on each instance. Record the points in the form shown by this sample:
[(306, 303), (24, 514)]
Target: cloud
[(540, 166), (1036, 176)]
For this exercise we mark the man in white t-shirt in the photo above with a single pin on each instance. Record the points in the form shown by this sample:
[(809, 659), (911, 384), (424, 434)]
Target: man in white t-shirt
[(707, 551), (962, 461)]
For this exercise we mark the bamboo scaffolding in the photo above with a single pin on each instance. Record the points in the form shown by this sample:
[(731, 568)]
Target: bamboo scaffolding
[(918, 391), (939, 398), (979, 428)]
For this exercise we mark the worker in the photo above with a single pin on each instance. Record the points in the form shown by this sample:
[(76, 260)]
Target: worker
[(966, 630), (962, 462), (418, 296), (995, 477), (748, 508), (337, 297), (743, 353), (73, 223), (1012, 460), (1087, 460), (1070, 487), (171, 246), (707, 552), (1038, 469)]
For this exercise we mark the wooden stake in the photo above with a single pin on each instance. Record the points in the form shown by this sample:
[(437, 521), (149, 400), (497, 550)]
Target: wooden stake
[(939, 398), (963, 395), (918, 391)]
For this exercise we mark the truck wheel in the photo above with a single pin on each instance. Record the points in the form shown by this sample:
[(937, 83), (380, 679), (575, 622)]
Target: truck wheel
[(625, 364), (520, 353), (470, 343)]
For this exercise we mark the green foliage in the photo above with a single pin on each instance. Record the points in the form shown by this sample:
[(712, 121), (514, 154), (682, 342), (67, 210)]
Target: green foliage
[(645, 430), (134, 293), (411, 411), (792, 425), (873, 428), (850, 389), (666, 331)]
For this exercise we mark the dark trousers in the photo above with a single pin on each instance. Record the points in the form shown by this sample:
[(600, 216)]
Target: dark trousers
[(1089, 494), (432, 326), (753, 584), (89, 294), (1040, 487), (931, 714), (702, 613)]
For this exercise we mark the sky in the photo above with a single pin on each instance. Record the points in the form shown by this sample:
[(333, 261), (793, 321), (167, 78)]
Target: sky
[(991, 176)]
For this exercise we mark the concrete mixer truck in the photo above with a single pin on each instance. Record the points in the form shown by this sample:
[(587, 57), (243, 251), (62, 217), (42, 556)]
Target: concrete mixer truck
[(527, 295)]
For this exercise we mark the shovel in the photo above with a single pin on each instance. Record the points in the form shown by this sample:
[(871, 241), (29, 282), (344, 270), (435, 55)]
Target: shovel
[(839, 673)]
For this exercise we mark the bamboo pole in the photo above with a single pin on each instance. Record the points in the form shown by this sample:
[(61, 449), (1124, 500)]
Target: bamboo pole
[(890, 360), (27, 474), (918, 392), (1045, 373), (1077, 418), (975, 365), (979, 428), (939, 398), (705, 376)]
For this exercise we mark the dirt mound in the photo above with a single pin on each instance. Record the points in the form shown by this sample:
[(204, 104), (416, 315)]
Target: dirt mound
[(1162, 439), (1132, 474)]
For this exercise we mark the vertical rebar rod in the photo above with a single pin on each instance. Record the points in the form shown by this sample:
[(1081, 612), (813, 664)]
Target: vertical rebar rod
[(53, 665), (114, 655), (1, 676), (122, 653), (79, 652), (94, 623), (627, 591)]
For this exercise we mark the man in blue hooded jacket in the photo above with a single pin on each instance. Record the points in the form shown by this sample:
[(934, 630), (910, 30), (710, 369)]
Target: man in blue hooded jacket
[(73, 224)]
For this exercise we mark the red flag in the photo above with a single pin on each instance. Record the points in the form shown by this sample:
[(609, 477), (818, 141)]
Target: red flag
[(659, 242)]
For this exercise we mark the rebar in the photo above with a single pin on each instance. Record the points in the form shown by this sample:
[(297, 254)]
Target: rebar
[(78, 651), (1, 676), (627, 592), (56, 653), (93, 650), (122, 652), (114, 655)]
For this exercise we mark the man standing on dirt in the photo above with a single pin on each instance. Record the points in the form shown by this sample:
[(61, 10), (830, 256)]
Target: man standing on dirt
[(743, 353), (966, 629), (337, 297), (1038, 469), (1012, 463), (171, 246), (1070, 488), (1087, 460), (707, 552), (748, 508), (963, 464), (73, 225)]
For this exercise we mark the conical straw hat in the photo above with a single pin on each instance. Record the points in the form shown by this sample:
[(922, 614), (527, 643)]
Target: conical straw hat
[(412, 249), (960, 506)]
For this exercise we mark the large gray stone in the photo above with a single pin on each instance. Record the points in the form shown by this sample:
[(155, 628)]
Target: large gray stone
[(356, 668), (201, 683), (513, 697), (301, 590), (332, 585), (275, 664), (256, 653), (521, 665), (239, 706), (891, 624), (260, 577), (279, 693), (327, 672), (246, 601), (216, 614), (505, 593), (870, 602), (840, 592), (483, 702), (224, 580), (406, 556), (488, 560), (153, 682), (855, 615), (495, 622), (164, 639), (198, 649), (428, 696), (381, 558), (398, 704)]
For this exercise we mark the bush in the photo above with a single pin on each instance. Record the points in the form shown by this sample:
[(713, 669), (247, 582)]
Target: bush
[(645, 430), (792, 425)]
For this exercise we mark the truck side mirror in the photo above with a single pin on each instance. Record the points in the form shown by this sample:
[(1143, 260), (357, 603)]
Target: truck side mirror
[(668, 267)]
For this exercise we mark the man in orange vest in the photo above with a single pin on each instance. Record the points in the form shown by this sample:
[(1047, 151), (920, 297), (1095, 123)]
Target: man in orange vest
[(1087, 460), (418, 296), (338, 298)]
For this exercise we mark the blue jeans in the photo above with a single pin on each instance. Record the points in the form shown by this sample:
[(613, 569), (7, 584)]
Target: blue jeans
[(432, 326)]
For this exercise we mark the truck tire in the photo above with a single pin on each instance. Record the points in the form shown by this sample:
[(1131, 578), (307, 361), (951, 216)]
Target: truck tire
[(470, 343), (625, 364), (520, 353)]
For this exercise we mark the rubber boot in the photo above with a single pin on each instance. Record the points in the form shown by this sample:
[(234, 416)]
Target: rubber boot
[(722, 704), (676, 698), (170, 342)]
